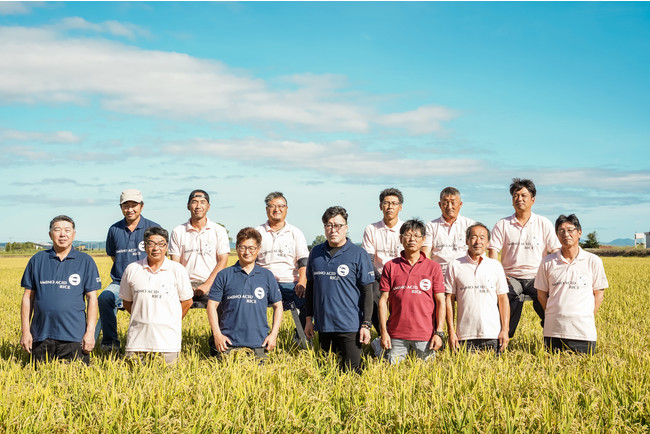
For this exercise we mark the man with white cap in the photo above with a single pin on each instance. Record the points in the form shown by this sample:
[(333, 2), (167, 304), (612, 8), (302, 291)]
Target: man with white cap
[(124, 244)]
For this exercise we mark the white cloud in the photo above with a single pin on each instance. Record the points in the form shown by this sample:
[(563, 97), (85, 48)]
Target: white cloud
[(59, 137), (44, 65), (13, 8), (115, 28)]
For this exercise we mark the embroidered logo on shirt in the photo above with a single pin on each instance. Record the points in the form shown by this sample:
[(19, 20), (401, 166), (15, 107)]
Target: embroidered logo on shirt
[(74, 279), (425, 284), (343, 270), (141, 246), (259, 292)]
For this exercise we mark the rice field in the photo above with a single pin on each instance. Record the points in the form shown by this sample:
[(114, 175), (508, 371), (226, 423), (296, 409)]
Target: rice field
[(525, 390)]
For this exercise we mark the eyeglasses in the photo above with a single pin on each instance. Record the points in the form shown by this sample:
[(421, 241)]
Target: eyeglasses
[(272, 207), (152, 244), (412, 236), (333, 227), (387, 203), (566, 231), (250, 249)]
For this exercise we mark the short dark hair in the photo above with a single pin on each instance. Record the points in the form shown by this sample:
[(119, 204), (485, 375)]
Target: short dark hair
[(415, 224), (274, 195), (571, 218), (449, 191), (194, 192), (476, 225), (249, 234), (391, 192), (61, 218), (333, 211), (518, 184), (156, 230)]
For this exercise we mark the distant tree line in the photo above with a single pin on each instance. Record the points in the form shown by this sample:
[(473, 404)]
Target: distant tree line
[(15, 247)]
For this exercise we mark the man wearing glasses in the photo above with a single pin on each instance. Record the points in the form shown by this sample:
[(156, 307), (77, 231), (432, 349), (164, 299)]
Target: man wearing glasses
[(283, 251), (124, 244), (157, 293), (242, 293), (412, 290), (570, 287), (339, 292), (445, 239), (201, 245), (382, 242)]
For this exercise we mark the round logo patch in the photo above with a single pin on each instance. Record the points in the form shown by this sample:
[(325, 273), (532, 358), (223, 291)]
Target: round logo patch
[(259, 292), (141, 246), (425, 284), (343, 270), (74, 279)]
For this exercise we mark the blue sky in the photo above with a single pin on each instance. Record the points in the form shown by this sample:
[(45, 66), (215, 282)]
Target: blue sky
[(326, 102)]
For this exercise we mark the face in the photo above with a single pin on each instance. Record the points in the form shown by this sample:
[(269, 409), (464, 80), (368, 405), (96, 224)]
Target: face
[(391, 207), (62, 235), (450, 207), (155, 247), (336, 229), (522, 200), (131, 210), (247, 251), (198, 207), (569, 235), (276, 210), (478, 241), (412, 240)]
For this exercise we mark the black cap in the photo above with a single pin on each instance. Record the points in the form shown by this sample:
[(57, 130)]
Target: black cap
[(198, 193)]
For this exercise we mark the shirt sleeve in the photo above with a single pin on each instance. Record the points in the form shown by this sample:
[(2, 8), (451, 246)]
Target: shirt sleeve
[(428, 235), (438, 279), (110, 242), (125, 287), (27, 281), (222, 241), (598, 271), (449, 279), (175, 243), (93, 281), (273, 289), (541, 280), (183, 284), (496, 239), (302, 251), (367, 242), (502, 280), (550, 237), (384, 281), (309, 271), (216, 291), (365, 270)]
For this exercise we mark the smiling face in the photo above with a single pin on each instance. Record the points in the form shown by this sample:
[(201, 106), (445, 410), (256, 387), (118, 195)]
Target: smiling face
[(131, 210), (477, 242), (390, 207), (62, 235), (276, 210), (198, 207), (522, 200), (156, 248), (336, 229), (569, 235), (247, 251)]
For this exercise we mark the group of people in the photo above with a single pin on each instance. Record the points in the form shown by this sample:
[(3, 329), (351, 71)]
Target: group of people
[(408, 279)]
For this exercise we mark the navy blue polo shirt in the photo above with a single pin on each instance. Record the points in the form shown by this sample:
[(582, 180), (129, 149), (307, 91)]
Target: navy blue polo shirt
[(338, 306), (126, 246), (59, 288), (244, 299)]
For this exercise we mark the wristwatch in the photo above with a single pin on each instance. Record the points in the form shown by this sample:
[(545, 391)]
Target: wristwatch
[(441, 334)]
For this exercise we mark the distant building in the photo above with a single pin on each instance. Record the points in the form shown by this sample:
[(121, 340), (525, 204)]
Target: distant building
[(642, 239)]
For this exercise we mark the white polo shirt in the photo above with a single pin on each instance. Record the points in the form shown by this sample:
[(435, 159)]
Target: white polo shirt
[(476, 286), (198, 250), (156, 315), (570, 286), (447, 241), (382, 242), (523, 247), (280, 251)]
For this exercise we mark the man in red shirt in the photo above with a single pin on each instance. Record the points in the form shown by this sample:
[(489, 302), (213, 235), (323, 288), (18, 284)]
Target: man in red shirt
[(412, 290)]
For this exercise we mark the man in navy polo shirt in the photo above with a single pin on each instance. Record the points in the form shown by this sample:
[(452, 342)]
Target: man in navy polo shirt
[(124, 244), (55, 282), (244, 292), (339, 291)]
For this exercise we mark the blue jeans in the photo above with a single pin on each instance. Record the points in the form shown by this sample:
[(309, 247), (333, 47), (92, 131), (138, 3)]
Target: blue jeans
[(400, 348), (289, 296), (108, 301)]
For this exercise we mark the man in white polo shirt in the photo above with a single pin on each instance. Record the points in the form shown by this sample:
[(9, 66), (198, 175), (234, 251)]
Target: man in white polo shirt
[(479, 286), (284, 253), (445, 239), (524, 239), (382, 242), (201, 245), (570, 286)]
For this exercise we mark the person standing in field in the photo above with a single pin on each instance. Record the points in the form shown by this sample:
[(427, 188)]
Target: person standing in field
[(523, 238), (445, 239), (124, 244), (201, 246), (283, 251), (478, 286), (412, 291), (243, 292), (571, 287), (339, 292), (157, 293), (56, 281), (382, 242)]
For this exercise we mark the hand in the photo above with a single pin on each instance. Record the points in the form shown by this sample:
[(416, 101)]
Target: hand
[(221, 342), (436, 343), (88, 342), (453, 341), (364, 335), (270, 342), (300, 289), (385, 341), (309, 330), (201, 290), (503, 340), (26, 341)]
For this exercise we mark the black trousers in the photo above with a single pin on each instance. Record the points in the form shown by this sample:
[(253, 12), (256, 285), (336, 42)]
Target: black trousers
[(50, 349), (474, 345), (517, 288), (346, 345), (555, 345)]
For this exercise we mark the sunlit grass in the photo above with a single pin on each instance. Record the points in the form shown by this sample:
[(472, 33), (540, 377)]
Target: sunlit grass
[(524, 390)]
